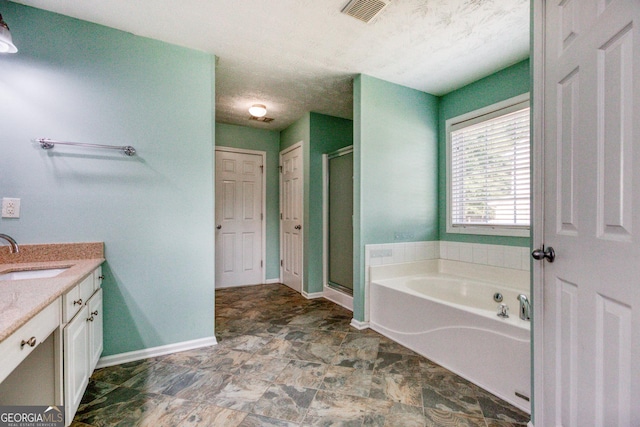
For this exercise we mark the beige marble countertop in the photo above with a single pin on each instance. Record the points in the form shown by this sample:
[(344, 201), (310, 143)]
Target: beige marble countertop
[(21, 300)]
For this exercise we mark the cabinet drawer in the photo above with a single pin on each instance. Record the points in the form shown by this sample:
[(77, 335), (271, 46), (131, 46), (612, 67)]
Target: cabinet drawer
[(75, 298), (21, 343)]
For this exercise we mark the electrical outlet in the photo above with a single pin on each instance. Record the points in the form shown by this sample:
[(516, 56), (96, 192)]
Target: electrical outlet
[(10, 207)]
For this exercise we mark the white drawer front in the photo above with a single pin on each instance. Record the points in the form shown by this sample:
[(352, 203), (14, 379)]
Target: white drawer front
[(76, 298), (21, 343)]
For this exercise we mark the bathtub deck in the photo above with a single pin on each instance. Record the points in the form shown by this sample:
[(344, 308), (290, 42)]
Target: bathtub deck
[(284, 360)]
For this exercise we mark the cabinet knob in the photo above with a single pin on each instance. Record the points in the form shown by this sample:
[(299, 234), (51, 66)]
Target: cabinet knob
[(31, 342), (101, 277), (78, 302)]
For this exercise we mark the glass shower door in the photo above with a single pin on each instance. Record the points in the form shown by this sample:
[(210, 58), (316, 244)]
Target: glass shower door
[(340, 220)]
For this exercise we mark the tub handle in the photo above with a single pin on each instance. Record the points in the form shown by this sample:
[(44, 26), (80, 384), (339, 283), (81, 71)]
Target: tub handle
[(503, 311)]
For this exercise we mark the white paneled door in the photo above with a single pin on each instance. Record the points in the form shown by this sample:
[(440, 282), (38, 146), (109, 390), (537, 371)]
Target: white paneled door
[(591, 293), (291, 204), (239, 217)]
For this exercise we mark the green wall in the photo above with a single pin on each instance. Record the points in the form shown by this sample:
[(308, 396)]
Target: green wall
[(396, 177), (296, 132), (269, 141), (504, 84), (77, 81)]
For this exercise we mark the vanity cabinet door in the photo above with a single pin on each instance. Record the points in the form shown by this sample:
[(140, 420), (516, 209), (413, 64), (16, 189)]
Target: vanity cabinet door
[(97, 278), (95, 329), (76, 361)]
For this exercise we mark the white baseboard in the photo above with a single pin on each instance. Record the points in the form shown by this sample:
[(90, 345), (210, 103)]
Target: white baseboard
[(132, 356), (339, 298), (359, 325), (529, 424), (272, 281), (312, 295)]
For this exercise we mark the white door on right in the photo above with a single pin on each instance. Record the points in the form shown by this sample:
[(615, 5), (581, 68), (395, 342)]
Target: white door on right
[(291, 207), (591, 319)]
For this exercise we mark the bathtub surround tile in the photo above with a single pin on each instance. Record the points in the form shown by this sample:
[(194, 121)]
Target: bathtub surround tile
[(526, 259), (258, 375), (512, 257), (466, 253), (495, 256), (480, 254), (409, 252)]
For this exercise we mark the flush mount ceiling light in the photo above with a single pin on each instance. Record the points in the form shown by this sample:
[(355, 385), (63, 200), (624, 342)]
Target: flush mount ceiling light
[(258, 110), (6, 43)]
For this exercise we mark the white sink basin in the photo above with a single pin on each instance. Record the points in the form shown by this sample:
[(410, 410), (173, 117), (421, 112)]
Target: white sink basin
[(32, 274)]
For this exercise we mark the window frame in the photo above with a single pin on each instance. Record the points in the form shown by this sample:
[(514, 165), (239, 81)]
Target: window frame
[(471, 118)]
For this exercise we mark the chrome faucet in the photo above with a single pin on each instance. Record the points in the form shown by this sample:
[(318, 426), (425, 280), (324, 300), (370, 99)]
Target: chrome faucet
[(503, 311), (14, 245), (525, 307)]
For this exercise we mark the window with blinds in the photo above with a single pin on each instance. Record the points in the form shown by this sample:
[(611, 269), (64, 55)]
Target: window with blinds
[(489, 171)]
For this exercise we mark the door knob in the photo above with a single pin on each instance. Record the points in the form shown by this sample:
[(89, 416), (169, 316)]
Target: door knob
[(544, 253), (298, 227), (218, 227)]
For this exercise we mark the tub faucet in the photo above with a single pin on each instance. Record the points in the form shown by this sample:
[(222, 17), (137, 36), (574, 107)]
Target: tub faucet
[(525, 307), (503, 311), (14, 245)]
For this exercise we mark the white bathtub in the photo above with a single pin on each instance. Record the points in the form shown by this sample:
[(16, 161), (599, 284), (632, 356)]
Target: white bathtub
[(438, 310)]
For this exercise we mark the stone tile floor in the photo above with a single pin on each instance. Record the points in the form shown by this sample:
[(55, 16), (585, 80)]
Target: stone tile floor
[(283, 360)]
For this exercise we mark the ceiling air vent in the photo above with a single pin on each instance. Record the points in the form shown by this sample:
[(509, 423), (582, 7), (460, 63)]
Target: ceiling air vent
[(263, 119), (364, 10)]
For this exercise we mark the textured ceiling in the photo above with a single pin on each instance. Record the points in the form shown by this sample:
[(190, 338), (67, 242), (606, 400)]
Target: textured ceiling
[(301, 55)]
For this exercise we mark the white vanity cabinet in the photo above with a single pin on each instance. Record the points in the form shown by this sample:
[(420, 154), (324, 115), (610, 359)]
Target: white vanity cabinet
[(82, 339)]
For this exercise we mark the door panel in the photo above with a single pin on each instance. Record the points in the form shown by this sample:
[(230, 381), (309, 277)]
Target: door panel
[(591, 322), (239, 202), (291, 212)]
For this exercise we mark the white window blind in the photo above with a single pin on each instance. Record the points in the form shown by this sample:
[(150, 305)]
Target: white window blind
[(489, 170)]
